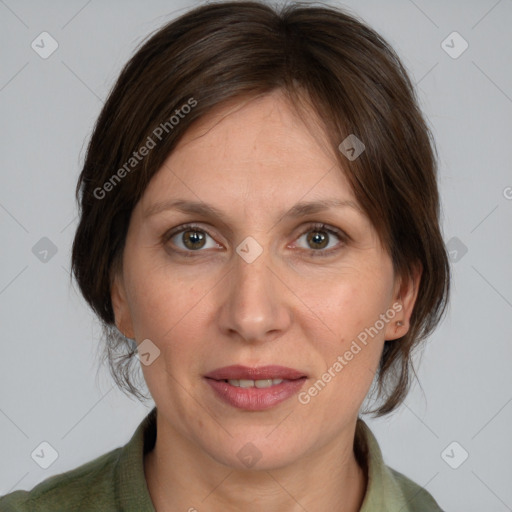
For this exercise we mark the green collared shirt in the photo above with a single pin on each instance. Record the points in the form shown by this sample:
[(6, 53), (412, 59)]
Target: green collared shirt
[(115, 481)]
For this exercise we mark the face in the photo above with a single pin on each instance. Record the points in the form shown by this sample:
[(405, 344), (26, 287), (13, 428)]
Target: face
[(256, 281)]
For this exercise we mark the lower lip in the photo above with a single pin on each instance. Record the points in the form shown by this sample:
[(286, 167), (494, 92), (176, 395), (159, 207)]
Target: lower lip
[(256, 399)]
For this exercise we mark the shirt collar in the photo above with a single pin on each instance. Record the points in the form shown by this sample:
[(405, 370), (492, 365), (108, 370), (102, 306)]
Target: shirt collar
[(132, 492), (383, 492)]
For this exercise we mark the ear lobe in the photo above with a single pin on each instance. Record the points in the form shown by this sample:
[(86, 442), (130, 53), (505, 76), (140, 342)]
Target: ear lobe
[(404, 299), (120, 307)]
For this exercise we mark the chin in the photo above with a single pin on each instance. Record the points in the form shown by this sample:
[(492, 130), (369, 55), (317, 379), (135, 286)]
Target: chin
[(256, 453)]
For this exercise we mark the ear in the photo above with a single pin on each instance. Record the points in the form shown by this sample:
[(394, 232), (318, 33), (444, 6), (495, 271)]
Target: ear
[(404, 299), (120, 306)]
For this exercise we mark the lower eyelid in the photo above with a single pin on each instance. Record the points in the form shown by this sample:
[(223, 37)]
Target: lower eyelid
[(168, 238), (326, 252), (342, 237)]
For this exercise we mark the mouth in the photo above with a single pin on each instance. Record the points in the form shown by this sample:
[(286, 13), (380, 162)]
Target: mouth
[(247, 374), (248, 383), (255, 389)]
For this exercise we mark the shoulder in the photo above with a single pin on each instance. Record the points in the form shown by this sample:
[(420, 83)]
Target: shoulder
[(88, 487), (112, 481), (417, 498), (388, 490)]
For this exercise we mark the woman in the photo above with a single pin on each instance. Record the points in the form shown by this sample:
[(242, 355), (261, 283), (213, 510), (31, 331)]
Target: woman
[(260, 220)]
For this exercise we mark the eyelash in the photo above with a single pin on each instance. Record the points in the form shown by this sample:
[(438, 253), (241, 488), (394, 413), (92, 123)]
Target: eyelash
[(343, 237)]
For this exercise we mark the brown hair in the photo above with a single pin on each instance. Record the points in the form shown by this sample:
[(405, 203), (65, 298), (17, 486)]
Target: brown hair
[(352, 79)]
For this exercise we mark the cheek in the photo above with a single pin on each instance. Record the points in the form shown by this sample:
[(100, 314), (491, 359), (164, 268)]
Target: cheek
[(172, 313), (349, 305), (159, 299), (168, 313), (351, 309)]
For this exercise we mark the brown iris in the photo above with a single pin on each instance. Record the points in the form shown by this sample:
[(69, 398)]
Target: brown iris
[(193, 239), (318, 238)]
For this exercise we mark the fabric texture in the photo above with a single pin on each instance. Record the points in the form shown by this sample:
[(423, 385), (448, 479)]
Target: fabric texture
[(115, 481)]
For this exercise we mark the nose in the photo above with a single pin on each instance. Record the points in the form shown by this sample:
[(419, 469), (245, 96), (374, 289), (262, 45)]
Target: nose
[(254, 305)]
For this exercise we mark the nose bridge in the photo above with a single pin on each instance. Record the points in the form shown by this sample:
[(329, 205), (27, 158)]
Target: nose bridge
[(253, 305)]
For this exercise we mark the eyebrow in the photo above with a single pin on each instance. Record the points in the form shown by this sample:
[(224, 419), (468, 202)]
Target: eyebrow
[(300, 209)]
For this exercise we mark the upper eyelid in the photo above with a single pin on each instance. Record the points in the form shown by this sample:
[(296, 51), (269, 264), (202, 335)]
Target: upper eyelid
[(341, 234), (170, 233)]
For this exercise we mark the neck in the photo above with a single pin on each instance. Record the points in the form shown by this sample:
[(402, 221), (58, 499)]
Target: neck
[(180, 478)]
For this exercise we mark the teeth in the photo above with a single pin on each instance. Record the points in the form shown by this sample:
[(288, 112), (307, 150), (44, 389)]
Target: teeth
[(247, 383), (263, 383)]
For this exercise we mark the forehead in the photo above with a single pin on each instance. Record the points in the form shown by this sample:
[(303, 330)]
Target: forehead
[(258, 150)]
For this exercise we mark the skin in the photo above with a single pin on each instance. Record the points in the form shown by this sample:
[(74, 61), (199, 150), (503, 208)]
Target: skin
[(254, 161)]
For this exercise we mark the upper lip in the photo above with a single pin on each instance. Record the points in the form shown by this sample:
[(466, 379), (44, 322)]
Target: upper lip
[(262, 372)]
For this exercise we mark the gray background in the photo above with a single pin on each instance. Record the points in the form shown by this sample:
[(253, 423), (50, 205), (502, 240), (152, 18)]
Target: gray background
[(49, 391)]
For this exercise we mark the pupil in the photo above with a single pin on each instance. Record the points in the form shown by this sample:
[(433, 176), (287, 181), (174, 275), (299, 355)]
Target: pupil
[(191, 238), (318, 238)]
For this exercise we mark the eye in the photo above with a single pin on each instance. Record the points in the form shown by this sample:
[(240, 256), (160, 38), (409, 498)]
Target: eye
[(190, 238), (319, 239)]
